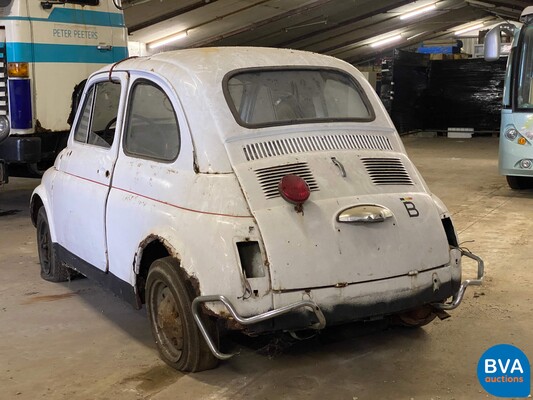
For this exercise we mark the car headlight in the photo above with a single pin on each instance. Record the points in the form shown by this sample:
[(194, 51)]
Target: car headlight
[(511, 133), (4, 128)]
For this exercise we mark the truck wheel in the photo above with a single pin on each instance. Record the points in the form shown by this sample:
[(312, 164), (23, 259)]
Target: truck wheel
[(519, 182), (51, 268), (168, 300)]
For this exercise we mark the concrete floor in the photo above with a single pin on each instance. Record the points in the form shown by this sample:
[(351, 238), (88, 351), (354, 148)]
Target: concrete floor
[(76, 341)]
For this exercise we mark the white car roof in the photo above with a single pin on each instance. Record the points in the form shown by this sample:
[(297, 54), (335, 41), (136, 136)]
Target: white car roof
[(197, 75)]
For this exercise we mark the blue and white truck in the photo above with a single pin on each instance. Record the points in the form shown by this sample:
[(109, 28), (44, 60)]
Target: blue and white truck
[(47, 50)]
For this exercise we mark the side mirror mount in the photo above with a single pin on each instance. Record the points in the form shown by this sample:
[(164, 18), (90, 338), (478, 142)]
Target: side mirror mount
[(493, 40)]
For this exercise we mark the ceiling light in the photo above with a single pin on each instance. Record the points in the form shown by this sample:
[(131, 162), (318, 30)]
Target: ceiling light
[(418, 11), (417, 35), (166, 40), (469, 28), (388, 40)]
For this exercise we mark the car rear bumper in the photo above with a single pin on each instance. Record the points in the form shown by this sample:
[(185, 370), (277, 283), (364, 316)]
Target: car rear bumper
[(313, 309)]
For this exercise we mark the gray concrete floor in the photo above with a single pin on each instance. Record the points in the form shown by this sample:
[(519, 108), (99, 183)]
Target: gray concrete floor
[(76, 341)]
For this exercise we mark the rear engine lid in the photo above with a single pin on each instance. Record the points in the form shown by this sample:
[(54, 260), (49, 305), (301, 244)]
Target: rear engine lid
[(311, 249)]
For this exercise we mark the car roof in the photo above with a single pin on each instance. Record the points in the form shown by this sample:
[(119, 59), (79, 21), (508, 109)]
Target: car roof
[(197, 75)]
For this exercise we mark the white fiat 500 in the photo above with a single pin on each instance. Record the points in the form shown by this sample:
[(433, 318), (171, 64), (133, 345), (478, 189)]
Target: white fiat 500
[(246, 189)]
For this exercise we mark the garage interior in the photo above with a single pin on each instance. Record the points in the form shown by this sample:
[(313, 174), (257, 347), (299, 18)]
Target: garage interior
[(74, 340)]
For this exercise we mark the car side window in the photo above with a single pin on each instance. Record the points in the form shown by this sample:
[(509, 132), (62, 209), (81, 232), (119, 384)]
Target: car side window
[(97, 122), (82, 129), (152, 129)]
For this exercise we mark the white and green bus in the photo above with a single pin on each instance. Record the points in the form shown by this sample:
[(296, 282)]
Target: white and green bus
[(47, 50), (516, 133)]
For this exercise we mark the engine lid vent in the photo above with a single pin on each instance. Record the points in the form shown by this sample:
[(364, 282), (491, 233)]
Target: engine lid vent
[(273, 148), (270, 177), (387, 171)]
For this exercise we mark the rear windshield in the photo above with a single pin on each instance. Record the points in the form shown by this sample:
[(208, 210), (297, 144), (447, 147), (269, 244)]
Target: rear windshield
[(262, 97)]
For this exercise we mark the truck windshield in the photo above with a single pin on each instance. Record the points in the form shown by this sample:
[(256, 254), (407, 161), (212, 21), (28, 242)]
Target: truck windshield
[(524, 84), (262, 97)]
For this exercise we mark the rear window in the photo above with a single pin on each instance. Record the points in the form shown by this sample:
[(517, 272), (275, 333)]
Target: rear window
[(262, 97)]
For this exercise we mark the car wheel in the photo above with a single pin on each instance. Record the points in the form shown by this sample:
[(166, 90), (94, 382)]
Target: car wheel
[(51, 268), (168, 300), (519, 182)]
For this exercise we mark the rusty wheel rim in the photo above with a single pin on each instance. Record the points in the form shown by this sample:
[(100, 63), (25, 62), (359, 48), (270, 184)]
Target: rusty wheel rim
[(167, 321)]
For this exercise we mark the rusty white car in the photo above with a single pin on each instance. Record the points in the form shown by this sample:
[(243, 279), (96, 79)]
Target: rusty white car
[(248, 189)]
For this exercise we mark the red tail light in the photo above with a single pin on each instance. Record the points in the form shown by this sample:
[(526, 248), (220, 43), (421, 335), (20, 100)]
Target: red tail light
[(294, 189)]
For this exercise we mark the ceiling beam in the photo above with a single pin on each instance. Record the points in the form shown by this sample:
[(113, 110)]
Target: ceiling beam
[(296, 11), (168, 15)]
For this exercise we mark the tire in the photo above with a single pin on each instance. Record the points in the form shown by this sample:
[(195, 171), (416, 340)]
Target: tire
[(168, 301), (415, 318), (519, 182), (51, 268)]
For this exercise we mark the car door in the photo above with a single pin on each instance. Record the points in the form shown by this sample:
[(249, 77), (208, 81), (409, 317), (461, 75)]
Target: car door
[(86, 168), (153, 169)]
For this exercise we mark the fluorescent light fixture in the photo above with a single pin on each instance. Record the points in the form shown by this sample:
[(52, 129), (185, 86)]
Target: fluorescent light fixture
[(385, 41), (415, 36), (418, 11), (166, 40), (469, 28)]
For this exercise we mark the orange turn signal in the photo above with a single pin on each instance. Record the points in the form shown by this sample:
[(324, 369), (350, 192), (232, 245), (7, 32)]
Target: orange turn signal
[(522, 140), (18, 70)]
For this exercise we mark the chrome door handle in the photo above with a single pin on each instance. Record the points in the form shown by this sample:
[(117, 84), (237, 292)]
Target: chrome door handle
[(104, 47)]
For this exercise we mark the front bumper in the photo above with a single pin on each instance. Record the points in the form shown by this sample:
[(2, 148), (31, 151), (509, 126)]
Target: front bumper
[(16, 149), (317, 320)]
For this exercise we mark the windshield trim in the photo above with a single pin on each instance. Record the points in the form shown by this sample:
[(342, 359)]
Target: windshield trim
[(236, 115)]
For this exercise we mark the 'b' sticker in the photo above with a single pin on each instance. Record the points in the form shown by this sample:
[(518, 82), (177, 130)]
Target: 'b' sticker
[(410, 206)]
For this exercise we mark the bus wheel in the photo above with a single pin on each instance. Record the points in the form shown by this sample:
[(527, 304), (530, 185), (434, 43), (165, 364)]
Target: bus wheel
[(519, 182)]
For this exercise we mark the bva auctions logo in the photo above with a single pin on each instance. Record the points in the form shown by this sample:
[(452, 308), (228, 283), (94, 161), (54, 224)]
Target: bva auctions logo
[(504, 371)]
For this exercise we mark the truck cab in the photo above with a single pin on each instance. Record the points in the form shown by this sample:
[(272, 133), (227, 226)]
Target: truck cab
[(47, 51)]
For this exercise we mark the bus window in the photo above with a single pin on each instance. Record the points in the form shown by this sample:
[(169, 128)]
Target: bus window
[(524, 88)]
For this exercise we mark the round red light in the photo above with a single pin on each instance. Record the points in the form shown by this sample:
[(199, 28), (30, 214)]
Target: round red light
[(294, 189)]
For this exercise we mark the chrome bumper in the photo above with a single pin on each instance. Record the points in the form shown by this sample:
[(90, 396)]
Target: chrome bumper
[(250, 320), (311, 305), (458, 297)]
